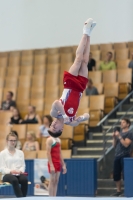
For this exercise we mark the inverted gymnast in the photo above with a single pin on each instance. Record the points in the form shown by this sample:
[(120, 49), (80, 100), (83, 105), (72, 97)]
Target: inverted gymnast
[(64, 110)]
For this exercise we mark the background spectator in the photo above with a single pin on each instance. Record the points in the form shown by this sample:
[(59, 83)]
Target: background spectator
[(91, 90), (32, 117), (31, 144), (43, 129), (91, 64), (13, 166), (16, 118), (108, 63), (8, 102), (18, 145), (12, 108), (131, 62), (122, 143), (131, 66)]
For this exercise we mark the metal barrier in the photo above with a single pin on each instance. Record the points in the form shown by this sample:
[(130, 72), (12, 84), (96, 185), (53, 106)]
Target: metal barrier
[(103, 121)]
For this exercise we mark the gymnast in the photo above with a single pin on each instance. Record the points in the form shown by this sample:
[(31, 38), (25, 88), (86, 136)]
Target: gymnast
[(75, 80)]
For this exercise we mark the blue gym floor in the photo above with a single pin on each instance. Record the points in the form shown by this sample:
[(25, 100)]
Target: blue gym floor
[(70, 198)]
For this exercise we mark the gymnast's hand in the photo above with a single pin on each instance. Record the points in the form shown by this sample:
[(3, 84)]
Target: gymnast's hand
[(83, 117), (66, 120), (59, 113), (79, 119), (64, 169), (52, 169), (65, 117)]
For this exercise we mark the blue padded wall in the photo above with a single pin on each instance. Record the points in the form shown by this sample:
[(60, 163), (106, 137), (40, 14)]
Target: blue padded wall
[(128, 177), (81, 177), (30, 170), (80, 180)]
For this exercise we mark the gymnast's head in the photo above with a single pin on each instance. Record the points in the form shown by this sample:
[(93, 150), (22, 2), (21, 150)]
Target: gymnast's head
[(56, 128)]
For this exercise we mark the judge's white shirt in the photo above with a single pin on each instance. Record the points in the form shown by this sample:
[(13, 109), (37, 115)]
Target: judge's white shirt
[(9, 162)]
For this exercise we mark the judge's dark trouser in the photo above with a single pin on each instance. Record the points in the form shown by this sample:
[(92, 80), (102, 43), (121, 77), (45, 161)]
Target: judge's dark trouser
[(15, 181)]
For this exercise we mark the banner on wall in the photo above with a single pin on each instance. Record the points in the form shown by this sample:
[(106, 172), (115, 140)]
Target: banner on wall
[(41, 177)]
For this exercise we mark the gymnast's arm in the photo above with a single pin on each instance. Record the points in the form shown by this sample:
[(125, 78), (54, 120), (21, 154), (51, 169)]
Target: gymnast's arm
[(79, 119), (56, 109)]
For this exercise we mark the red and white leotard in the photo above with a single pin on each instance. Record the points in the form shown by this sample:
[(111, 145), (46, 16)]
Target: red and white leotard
[(73, 89), (70, 100), (55, 155)]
